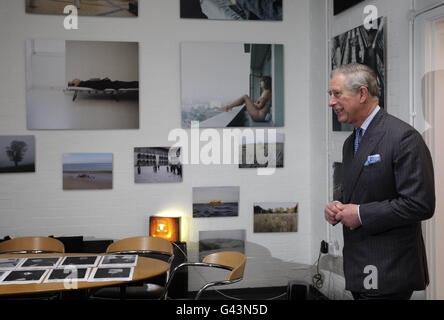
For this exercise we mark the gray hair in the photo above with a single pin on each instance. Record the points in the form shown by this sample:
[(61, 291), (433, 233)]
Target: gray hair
[(359, 75)]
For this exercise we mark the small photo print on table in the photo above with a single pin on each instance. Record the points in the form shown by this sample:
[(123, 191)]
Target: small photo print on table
[(80, 261), (119, 260), (3, 275), (112, 274), (25, 276), (39, 263), (68, 274), (10, 264)]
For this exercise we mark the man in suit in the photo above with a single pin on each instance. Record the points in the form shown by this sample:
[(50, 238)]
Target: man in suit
[(388, 189)]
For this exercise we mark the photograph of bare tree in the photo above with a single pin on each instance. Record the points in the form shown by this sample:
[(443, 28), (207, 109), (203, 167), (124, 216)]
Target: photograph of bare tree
[(17, 154)]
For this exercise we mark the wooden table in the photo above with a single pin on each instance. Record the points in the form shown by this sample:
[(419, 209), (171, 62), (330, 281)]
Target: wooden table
[(146, 268)]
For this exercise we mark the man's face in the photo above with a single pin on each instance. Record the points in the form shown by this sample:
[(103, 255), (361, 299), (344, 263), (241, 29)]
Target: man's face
[(345, 103)]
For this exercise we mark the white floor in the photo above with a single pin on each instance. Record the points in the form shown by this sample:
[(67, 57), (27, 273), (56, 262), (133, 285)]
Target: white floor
[(54, 109)]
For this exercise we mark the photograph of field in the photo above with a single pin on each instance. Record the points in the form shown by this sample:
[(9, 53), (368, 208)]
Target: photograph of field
[(276, 217), (101, 8), (87, 171), (17, 154), (211, 202)]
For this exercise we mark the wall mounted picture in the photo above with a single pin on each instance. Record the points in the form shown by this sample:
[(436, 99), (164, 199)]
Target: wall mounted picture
[(87, 171), (99, 8), (260, 152), (222, 240), (80, 85), (157, 165), (265, 10), (276, 217), (342, 5), (17, 154), (365, 46), (210, 202), (232, 85)]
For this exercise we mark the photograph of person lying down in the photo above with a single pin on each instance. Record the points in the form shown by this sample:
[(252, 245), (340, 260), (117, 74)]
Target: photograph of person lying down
[(266, 10), (105, 86), (82, 85), (102, 8), (232, 85)]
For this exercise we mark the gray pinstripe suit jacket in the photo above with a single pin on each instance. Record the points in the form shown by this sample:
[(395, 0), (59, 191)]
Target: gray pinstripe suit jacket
[(394, 195)]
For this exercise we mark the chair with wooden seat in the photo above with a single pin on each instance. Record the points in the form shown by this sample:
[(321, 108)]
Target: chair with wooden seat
[(227, 260), (32, 245), (155, 248)]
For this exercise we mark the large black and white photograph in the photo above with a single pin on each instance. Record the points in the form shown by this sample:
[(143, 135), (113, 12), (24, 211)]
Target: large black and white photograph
[(257, 10), (365, 45), (82, 85), (221, 240), (98, 8), (262, 151), (232, 84), (211, 202), (111, 274), (25, 276), (157, 165), (68, 274), (17, 154)]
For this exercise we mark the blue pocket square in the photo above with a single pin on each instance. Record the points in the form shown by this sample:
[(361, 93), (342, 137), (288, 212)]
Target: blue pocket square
[(372, 160)]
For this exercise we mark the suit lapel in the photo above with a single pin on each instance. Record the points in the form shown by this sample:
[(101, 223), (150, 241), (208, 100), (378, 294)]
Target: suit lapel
[(355, 163)]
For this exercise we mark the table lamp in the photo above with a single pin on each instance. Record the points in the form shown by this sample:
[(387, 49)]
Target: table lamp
[(165, 227)]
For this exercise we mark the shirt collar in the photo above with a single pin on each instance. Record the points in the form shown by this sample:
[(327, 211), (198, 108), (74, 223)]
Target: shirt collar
[(369, 120)]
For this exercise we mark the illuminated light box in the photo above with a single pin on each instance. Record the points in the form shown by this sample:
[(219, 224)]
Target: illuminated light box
[(165, 227)]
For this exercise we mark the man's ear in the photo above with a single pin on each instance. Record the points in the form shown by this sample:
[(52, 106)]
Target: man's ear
[(364, 94)]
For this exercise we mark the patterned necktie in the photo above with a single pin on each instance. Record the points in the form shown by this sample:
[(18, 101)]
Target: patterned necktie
[(358, 138)]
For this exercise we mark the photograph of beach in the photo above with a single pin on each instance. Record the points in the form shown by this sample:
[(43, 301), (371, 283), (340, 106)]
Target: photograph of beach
[(87, 171), (211, 202), (221, 240), (276, 217)]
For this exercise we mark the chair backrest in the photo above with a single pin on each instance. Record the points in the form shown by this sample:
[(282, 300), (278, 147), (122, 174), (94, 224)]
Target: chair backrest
[(140, 245), (234, 260), (32, 245)]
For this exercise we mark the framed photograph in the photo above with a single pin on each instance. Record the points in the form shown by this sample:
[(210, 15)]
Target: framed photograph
[(82, 85), (68, 275), (10, 263), (222, 240), (111, 274), (80, 261), (232, 85), (262, 10), (25, 276), (343, 5), (119, 260), (87, 171), (276, 217), (364, 46), (257, 152), (98, 8), (40, 263), (211, 202), (17, 154), (157, 165)]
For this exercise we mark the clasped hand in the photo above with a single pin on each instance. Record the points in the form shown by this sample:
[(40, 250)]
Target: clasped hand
[(347, 214)]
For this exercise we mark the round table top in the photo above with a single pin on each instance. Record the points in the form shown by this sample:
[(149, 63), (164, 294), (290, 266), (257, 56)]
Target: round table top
[(146, 268)]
